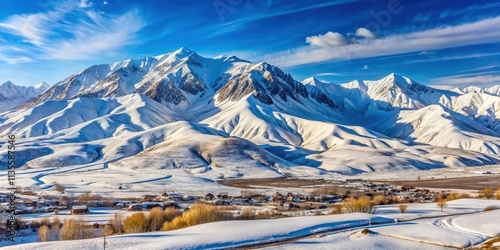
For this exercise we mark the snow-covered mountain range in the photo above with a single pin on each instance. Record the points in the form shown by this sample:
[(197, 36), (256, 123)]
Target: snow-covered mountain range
[(12, 95), (224, 116)]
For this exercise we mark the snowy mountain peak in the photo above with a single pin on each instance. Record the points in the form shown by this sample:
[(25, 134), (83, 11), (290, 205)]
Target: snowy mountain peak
[(397, 79), (313, 81), (8, 84), (230, 58), (42, 86), (183, 52)]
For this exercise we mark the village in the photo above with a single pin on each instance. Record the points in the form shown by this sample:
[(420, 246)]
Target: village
[(318, 199)]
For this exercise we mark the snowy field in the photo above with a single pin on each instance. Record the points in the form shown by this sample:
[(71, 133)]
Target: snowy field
[(101, 179), (462, 224)]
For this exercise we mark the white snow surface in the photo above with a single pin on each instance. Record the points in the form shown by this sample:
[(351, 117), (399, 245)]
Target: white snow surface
[(452, 228)]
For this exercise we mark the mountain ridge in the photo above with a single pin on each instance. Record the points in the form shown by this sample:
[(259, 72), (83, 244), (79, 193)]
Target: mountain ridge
[(254, 112)]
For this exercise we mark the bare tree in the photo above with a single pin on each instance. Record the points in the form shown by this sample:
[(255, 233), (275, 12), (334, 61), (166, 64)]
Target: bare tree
[(441, 202)]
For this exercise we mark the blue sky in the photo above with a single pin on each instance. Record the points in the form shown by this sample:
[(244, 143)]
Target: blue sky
[(443, 43)]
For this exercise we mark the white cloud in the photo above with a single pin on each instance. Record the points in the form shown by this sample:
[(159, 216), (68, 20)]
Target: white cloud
[(480, 32), (31, 27), (101, 34), (363, 32), (328, 74), (85, 4), (330, 39), (105, 3), (466, 81), (69, 32), (427, 53), (365, 67)]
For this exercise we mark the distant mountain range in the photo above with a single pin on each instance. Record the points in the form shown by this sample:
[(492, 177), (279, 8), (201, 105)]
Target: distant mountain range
[(228, 117), (12, 95)]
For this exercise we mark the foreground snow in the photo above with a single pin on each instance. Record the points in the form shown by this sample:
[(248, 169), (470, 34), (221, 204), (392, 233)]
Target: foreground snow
[(423, 232)]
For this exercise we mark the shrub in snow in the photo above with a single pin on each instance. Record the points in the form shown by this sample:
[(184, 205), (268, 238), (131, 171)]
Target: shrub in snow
[(58, 187), (45, 221), (157, 217), (490, 208), (116, 223), (75, 230), (402, 208), (337, 209), (43, 233), (362, 204), (487, 193), (379, 200), (135, 223), (441, 202), (199, 213), (247, 214), (56, 226)]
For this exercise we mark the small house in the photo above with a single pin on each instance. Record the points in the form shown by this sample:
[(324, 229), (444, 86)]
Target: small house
[(209, 197), (79, 209)]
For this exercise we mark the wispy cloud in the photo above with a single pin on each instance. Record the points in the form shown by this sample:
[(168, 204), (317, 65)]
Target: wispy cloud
[(427, 53), (329, 74), (482, 80), (101, 33), (85, 4), (480, 32), (457, 12), (72, 30), (240, 23)]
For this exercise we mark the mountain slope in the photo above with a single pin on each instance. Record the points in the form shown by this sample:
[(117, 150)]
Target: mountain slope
[(184, 114)]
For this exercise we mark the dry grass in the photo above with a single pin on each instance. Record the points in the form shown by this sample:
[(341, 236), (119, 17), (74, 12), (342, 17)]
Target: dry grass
[(107, 230), (441, 202), (171, 213), (75, 230), (337, 209), (362, 204), (488, 245), (402, 208), (497, 194), (329, 190), (487, 193), (157, 217), (264, 215), (116, 223), (379, 200), (88, 196), (136, 223), (58, 187), (490, 208), (453, 196), (277, 215), (56, 223), (247, 214), (43, 233), (199, 213), (45, 221), (56, 227)]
